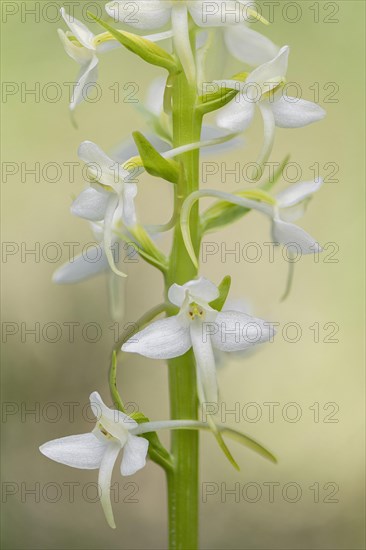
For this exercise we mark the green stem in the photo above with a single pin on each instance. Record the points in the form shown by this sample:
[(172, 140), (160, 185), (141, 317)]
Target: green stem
[(183, 479)]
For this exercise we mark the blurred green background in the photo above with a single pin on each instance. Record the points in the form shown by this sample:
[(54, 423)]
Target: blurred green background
[(322, 460)]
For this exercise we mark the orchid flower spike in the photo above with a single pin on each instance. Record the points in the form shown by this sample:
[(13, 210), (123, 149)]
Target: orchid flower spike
[(114, 432), (83, 47), (259, 89), (110, 197), (201, 327)]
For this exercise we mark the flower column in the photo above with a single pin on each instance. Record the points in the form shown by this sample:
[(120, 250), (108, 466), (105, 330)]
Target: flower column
[(183, 480)]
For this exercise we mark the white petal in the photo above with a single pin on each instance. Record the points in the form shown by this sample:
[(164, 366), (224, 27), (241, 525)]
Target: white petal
[(129, 212), (163, 339), (104, 480), (269, 131), (115, 422), (298, 192), (294, 237), (144, 14), (81, 32), (272, 70), (101, 166), (249, 46), (202, 289), (88, 74), (83, 451), (205, 361), (293, 213), (134, 455), (91, 204), (79, 54), (290, 112), (237, 115), (236, 331), (82, 267)]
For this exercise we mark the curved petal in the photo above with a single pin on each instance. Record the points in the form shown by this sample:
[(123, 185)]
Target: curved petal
[(78, 54), (100, 165), (81, 32), (290, 112), (83, 451), (81, 267), (205, 361), (271, 71), (202, 289), (149, 14), (87, 75), (163, 339), (249, 46), (237, 115), (236, 331), (269, 131), (111, 417), (91, 204), (134, 455), (104, 480), (294, 213), (108, 240), (292, 235), (298, 192), (129, 212)]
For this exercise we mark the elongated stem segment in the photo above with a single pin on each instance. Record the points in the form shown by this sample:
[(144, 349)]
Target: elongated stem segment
[(183, 479)]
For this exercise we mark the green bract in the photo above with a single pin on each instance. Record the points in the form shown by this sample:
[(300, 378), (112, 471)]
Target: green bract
[(154, 163), (147, 50)]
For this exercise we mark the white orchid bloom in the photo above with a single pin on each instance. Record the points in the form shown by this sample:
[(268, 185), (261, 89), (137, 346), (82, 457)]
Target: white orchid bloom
[(110, 198), (114, 431), (80, 44), (202, 328), (83, 47), (257, 90)]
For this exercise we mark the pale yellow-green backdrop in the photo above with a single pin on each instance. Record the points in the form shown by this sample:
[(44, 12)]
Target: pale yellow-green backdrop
[(321, 460)]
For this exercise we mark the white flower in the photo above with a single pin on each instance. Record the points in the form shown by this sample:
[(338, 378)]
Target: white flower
[(257, 90), (115, 432), (202, 328), (110, 198), (83, 46), (99, 449)]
